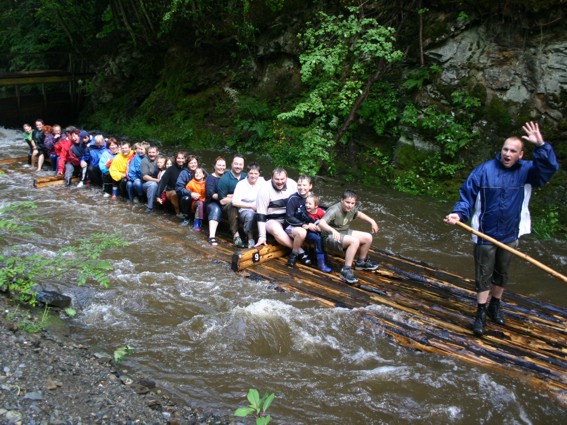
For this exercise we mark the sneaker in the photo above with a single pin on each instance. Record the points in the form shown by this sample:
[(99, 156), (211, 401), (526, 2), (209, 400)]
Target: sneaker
[(179, 215), (304, 258), (292, 259), (251, 243), (237, 241), (106, 195), (79, 185), (365, 265), (148, 210), (186, 222), (113, 197), (136, 201), (348, 276)]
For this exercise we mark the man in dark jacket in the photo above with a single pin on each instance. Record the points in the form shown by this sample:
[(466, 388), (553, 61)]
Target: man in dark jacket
[(499, 191)]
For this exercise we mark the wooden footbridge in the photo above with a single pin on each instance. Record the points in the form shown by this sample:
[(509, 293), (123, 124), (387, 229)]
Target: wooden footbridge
[(419, 307), (19, 107)]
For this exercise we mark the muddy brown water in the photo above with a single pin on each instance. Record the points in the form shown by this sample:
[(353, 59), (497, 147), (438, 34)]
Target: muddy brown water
[(207, 334)]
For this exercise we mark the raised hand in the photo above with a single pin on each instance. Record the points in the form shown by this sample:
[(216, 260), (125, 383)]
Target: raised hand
[(533, 134)]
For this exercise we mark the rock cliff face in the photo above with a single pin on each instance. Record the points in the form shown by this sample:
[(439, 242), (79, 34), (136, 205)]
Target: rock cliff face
[(530, 72)]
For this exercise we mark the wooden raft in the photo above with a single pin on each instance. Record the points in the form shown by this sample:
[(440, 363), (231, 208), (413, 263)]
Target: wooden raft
[(427, 309), (42, 182), (420, 307)]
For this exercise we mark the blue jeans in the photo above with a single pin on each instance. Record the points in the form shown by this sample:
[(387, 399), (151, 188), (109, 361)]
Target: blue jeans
[(315, 237), (150, 189), (214, 211), (54, 160), (248, 220), (134, 186)]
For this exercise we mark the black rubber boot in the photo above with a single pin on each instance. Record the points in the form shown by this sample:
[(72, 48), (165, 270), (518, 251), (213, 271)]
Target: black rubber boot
[(495, 312), (480, 320)]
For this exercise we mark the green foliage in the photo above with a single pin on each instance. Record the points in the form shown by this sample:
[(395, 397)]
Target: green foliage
[(258, 407), (340, 53), (121, 352), (70, 311), (23, 272), (302, 148), (27, 322), (381, 109), (546, 223), (451, 132), (212, 20), (253, 122), (417, 78)]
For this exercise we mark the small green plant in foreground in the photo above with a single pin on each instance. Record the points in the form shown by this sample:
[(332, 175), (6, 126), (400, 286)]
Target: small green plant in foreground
[(258, 407), (28, 323), (122, 352)]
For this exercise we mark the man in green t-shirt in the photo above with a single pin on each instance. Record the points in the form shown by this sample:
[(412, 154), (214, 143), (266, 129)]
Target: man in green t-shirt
[(338, 236)]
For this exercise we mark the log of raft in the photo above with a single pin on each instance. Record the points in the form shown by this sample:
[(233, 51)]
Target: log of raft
[(243, 260), (13, 160), (419, 306), (42, 182)]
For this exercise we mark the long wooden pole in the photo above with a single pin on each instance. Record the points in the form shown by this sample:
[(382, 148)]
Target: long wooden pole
[(514, 251)]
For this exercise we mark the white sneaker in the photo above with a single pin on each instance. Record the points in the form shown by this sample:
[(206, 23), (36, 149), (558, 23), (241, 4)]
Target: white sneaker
[(106, 195), (79, 185), (251, 243)]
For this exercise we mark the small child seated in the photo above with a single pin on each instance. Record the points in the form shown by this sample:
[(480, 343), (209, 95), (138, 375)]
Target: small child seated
[(197, 186), (312, 214), (313, 209)]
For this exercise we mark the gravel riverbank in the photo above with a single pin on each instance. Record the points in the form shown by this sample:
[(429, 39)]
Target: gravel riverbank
[(46, 378)]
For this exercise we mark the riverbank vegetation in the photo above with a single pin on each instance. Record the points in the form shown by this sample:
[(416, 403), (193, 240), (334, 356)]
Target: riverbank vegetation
[(24, 269), (338, 88)]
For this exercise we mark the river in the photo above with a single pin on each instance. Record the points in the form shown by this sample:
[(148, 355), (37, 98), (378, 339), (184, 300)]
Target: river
[(208, 335)]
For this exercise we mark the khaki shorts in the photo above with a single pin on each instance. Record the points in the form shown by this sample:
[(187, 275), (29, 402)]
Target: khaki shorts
[(334, 245)]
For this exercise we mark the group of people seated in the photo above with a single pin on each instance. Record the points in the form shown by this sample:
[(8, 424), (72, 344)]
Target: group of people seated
[(255, 209)]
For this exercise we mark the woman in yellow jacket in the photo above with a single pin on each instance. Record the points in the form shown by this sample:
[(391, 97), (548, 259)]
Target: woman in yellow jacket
[(119, 168)]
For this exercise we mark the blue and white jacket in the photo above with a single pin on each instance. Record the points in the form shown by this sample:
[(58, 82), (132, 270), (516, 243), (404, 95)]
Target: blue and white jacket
[(134, 170), (500, 196)]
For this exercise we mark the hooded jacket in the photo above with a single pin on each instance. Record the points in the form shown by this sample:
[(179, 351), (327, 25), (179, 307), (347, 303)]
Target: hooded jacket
[(499, 196)]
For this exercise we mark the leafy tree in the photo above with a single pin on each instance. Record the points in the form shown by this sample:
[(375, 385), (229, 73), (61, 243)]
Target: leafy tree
[(343, 56)]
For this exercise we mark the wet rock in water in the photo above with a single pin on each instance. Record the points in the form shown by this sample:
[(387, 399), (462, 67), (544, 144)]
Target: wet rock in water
[(54, 299)]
